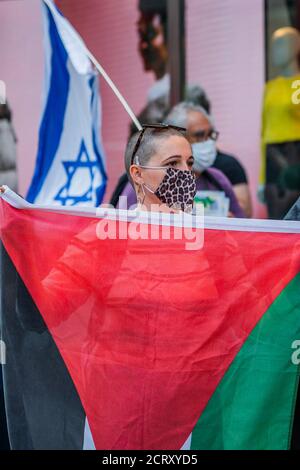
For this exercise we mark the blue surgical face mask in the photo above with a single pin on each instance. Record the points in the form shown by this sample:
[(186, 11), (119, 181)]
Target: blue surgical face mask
[(204, 154)]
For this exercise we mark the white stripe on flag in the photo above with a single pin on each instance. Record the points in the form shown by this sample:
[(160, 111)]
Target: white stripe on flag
[(215, 223), (187, 444), (88, 441)]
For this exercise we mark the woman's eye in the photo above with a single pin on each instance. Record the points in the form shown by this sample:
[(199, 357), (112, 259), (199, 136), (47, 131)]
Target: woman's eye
[(173, 163)]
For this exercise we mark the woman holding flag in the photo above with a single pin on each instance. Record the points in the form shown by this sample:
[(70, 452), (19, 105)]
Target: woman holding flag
[(159, 161)]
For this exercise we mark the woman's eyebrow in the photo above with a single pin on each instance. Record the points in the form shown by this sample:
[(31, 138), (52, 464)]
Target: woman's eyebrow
[(172, 156), (176, 156)]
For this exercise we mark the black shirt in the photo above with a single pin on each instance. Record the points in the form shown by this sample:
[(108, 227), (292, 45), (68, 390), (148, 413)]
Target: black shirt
[(231, 167)]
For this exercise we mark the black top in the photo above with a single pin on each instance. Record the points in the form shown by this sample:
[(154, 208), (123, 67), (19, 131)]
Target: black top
[(231, 167), (123, 180), (5, 112)]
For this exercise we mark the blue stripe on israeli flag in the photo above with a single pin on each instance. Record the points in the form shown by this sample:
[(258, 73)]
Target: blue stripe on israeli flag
[(70, 166)]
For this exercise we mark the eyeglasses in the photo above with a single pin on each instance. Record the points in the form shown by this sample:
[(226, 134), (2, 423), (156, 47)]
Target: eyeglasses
[(204, 135), (152, 126)]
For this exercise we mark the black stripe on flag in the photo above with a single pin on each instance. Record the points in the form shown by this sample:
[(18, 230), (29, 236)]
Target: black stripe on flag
[(42, 405)]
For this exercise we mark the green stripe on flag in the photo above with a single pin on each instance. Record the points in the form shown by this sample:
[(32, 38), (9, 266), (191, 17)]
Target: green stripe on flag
[(253, 406)]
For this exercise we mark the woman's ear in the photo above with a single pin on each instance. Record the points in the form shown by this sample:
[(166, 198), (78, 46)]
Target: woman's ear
[(135, 173)]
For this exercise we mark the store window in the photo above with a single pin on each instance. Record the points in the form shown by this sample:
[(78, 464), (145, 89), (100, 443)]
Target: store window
[(280, 169)]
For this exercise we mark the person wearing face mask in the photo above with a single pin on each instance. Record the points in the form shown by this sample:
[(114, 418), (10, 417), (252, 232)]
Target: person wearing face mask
[(159, 165), (207, 178), (209, 165)]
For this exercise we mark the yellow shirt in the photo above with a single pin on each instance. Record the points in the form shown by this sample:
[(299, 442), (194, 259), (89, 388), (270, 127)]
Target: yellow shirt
[(280, 117)]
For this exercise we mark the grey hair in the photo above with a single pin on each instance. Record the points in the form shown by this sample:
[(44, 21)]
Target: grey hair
[(148, 147), (178, 116)]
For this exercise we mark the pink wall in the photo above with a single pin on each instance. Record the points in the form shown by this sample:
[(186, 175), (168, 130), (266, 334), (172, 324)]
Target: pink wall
[(225, 55), (21, 67)]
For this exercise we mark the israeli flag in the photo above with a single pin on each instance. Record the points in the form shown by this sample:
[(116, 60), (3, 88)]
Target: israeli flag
[(70, 166)]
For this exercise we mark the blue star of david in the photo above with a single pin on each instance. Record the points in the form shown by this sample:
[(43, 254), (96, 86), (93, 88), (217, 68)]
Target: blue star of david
[(82, 161)]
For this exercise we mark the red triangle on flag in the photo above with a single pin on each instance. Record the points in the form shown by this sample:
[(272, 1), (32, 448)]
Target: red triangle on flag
[(146, 328)]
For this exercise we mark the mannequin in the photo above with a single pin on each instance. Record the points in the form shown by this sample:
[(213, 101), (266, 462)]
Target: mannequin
[(285, 50), (152, 31), (281, 126)]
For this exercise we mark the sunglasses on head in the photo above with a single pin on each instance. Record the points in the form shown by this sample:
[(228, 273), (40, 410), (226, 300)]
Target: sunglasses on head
[(153, 126)]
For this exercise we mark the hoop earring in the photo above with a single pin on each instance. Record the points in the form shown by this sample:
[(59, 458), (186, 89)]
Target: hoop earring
[(139, 200)]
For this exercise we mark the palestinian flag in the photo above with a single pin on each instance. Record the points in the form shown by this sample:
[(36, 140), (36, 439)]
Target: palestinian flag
[(131, 342)]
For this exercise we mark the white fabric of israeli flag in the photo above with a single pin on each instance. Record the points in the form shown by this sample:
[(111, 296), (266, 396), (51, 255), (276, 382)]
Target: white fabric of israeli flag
[(70, 166)]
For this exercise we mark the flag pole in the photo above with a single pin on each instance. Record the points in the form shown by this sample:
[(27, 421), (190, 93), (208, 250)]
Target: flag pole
[(114, 89), (106, 77)]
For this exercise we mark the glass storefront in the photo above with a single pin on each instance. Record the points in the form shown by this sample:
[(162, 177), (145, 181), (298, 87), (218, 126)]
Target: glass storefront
[(280, 111)]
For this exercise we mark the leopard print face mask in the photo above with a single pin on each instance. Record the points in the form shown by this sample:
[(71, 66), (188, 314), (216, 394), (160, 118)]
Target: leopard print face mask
[(177, 189)]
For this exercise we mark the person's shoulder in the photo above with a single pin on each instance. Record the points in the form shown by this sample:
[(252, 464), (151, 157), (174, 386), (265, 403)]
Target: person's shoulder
[(219, 176), (213, 171), (128, 188), (231, 167), (228, 159)]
